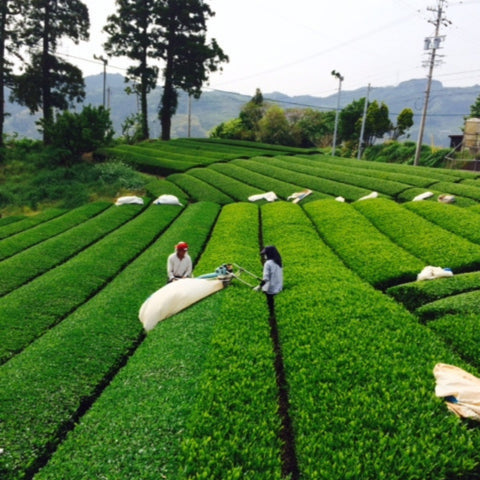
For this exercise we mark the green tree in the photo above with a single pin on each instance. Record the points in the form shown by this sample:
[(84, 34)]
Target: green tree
[(273, 127), (9, 26), (475, 109), (251, 114), (311, 128), (377, 122), (404, 122), (47, 81), (82, 132), (350, 120), (134, 33), (188, 57)]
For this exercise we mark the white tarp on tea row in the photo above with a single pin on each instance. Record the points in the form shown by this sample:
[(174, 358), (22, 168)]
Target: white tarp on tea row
[(174, 297)]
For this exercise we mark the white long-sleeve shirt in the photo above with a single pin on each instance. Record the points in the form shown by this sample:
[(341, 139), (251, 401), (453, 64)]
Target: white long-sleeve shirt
[(179, 268)]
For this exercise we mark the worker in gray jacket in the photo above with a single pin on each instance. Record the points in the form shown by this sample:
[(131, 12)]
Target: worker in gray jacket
[(272, 282)]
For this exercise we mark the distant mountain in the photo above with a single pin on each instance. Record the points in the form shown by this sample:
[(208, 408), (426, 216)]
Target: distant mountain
[(447, 107)]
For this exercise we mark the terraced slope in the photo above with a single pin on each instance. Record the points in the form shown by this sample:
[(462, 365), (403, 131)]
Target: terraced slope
[(339, 385)]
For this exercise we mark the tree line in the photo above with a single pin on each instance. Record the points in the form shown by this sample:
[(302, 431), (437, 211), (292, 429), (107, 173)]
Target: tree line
[(148, 32), (264, 121)]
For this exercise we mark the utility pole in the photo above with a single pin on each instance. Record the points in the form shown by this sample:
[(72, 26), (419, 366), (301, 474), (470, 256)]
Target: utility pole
[(105, 61), (431, 44), (362, 130), (340, 80)]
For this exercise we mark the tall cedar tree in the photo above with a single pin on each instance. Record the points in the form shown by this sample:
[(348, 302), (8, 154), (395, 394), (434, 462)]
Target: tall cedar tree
[(49, 82), (187, 56), (133, 33), (9, 15)]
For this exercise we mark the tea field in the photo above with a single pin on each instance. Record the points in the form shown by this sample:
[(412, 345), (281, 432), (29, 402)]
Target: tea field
[(338, 386)]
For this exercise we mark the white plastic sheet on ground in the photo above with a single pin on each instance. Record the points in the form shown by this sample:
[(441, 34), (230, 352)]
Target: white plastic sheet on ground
[(370, 195), (430, 273), (298, 196), (167, 199), (269, 196), (129, 200), (175, 297), (422, 196), (460, 389)]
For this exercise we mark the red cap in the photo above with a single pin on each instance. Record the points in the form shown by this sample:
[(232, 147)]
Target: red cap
[(182, 246)]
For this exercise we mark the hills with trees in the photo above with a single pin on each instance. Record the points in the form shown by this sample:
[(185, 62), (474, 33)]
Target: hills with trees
[(448, 108)]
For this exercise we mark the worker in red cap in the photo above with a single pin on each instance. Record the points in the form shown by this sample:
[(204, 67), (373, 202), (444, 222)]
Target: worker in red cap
[(179, 263)]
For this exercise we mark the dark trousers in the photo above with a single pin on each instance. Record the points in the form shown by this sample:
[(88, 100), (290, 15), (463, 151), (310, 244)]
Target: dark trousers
[(271, 304)]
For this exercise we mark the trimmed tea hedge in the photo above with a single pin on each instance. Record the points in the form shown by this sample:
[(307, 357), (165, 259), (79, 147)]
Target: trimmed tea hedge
[(461, 221), (15, 243), (365, 250), (359, 371), (26, 265), (236, 189), (427, 241), (415, 294), (52, 296), (324, 186), (46, 388), (198, 189), (29, 222), (265, 183)]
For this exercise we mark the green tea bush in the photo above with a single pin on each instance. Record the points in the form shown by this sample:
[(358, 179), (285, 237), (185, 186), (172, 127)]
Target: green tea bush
[(425, 240), (461, 221), (308, 180), (64, 371), (15, 243), (365, 250), (29, 222), (461, 333), (233, 188), (198, 189), (416, 294), (458, 189), (463, 303), (263, 182), (359, 370), (49, 298), (26, 265), (309, 166)]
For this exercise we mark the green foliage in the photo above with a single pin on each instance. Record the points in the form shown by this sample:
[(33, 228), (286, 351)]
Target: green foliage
[(416, 294), (84, 350), (475, 108), (353, 239), (273, 127), (450, 250), (81, 132)]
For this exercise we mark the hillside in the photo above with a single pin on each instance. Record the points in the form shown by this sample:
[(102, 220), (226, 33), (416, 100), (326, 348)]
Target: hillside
[(338, 384), (447, 107)]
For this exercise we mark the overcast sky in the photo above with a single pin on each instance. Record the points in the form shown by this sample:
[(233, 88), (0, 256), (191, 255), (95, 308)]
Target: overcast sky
[(292, 46)]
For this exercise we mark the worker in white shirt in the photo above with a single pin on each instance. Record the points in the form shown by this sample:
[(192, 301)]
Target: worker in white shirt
[(179, 263)]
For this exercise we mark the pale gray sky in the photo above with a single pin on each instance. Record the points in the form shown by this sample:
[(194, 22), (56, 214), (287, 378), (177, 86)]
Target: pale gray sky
[(291, 46)]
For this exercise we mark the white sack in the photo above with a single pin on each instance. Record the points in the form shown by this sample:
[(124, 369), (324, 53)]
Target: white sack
[(174, 297), (339, 199), (430, 273), (422, 196), (446, 198), (129, 200), (167, 200), (461, 389), (269, 196), (370, 195), (297, 196)]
